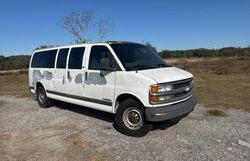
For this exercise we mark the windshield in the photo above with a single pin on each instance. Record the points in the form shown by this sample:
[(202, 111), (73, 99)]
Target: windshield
[(137, 57)]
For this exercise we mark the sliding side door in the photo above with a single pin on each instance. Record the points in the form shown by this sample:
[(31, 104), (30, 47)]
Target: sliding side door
[(75, 73)]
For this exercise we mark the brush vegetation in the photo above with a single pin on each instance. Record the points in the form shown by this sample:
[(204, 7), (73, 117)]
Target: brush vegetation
[(216, 112), (14, 62)]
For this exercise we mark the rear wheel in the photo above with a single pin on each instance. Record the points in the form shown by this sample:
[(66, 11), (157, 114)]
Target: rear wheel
[(42, 98), (130, 119)]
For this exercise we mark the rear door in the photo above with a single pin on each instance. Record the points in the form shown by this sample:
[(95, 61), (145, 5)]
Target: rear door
[(60, 78), (75, 72)]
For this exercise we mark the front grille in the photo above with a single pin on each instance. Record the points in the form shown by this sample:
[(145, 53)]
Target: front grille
[(180, 94), (182, 84), (181, 87)]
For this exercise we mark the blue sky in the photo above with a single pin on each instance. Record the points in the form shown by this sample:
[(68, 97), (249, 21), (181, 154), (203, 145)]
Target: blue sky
[(167, 24)]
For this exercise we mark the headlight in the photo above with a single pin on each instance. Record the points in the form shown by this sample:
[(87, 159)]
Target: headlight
[(165, 88), (156, 92), (160, 89), (158, 99)]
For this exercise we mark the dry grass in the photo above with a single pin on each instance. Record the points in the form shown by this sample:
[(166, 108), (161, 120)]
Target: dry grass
[(216, 112), (226, 91), (219, 66), (220, 82), (190, 60), (14, 84), (8, 72)]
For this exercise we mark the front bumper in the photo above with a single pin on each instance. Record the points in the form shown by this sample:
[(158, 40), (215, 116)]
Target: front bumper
[(163, 113)]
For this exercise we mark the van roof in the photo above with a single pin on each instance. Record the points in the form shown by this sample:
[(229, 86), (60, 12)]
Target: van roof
[(76, 45)]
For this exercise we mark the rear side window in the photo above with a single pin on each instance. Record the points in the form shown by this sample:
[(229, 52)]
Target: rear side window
[(62, 58), (75, 58), (44, 59)]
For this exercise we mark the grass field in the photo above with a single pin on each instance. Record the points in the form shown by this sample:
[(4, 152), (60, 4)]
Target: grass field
[(14, 84), (220, 82)]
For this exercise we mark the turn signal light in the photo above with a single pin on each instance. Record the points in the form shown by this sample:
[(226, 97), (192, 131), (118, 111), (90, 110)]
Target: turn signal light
[(154, 98), (154, 89)]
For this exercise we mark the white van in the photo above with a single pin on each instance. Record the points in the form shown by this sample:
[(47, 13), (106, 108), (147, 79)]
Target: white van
[(124, 78)]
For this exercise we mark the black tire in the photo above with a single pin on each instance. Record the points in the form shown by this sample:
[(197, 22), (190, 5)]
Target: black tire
[(131, 113), (42, 99)]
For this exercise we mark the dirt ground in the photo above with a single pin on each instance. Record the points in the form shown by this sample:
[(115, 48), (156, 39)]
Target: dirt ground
[(69, 132)]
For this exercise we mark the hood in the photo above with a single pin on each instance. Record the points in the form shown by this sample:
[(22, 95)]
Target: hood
[(169, 74)]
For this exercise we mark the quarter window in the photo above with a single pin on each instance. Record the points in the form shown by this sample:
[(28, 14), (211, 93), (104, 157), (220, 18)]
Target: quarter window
[(44, 59), (62, 58), (75, 58)]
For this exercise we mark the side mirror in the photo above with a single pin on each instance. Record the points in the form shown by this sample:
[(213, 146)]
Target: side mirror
[(105, 64)]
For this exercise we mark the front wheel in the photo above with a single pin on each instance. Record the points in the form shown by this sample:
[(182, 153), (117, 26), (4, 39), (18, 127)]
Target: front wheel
[(130, 119)]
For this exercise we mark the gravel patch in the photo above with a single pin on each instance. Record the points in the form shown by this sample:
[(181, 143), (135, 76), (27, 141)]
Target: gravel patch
[(70, 132)]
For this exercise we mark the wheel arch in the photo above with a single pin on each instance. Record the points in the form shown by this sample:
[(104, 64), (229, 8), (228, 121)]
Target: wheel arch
[(125, 96), (39, 84)]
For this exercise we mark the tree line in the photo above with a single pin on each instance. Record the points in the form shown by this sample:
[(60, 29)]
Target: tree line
[(14, 62), (223, 52)]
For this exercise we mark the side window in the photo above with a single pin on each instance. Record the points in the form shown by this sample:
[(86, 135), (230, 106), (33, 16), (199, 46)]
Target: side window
[(44, 59), (62, 58), (75, 58), (100, 54)]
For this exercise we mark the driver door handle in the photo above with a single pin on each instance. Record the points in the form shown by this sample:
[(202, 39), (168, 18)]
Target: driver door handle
[(101, 74), (86, 76), (68, 74)]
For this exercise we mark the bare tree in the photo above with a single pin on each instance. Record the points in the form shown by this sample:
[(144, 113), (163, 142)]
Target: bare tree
[(77, 23), (104, 27)]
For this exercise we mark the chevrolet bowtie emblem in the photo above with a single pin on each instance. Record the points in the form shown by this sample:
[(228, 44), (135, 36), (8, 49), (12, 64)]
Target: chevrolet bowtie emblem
[(187, 89)]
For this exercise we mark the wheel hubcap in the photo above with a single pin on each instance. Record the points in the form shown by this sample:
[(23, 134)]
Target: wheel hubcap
[(133, 118), (41, 98)]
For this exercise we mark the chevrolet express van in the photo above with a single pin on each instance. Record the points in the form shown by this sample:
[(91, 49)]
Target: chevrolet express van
[(123, 78)]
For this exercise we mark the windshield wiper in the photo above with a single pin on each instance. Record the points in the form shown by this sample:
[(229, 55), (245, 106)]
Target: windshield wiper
[(162, 65), (142, 66)]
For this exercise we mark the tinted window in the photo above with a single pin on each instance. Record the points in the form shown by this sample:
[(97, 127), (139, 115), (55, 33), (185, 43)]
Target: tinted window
[(137, 57), (75, 58), (96, 54), (44, 59), (62, 58)]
